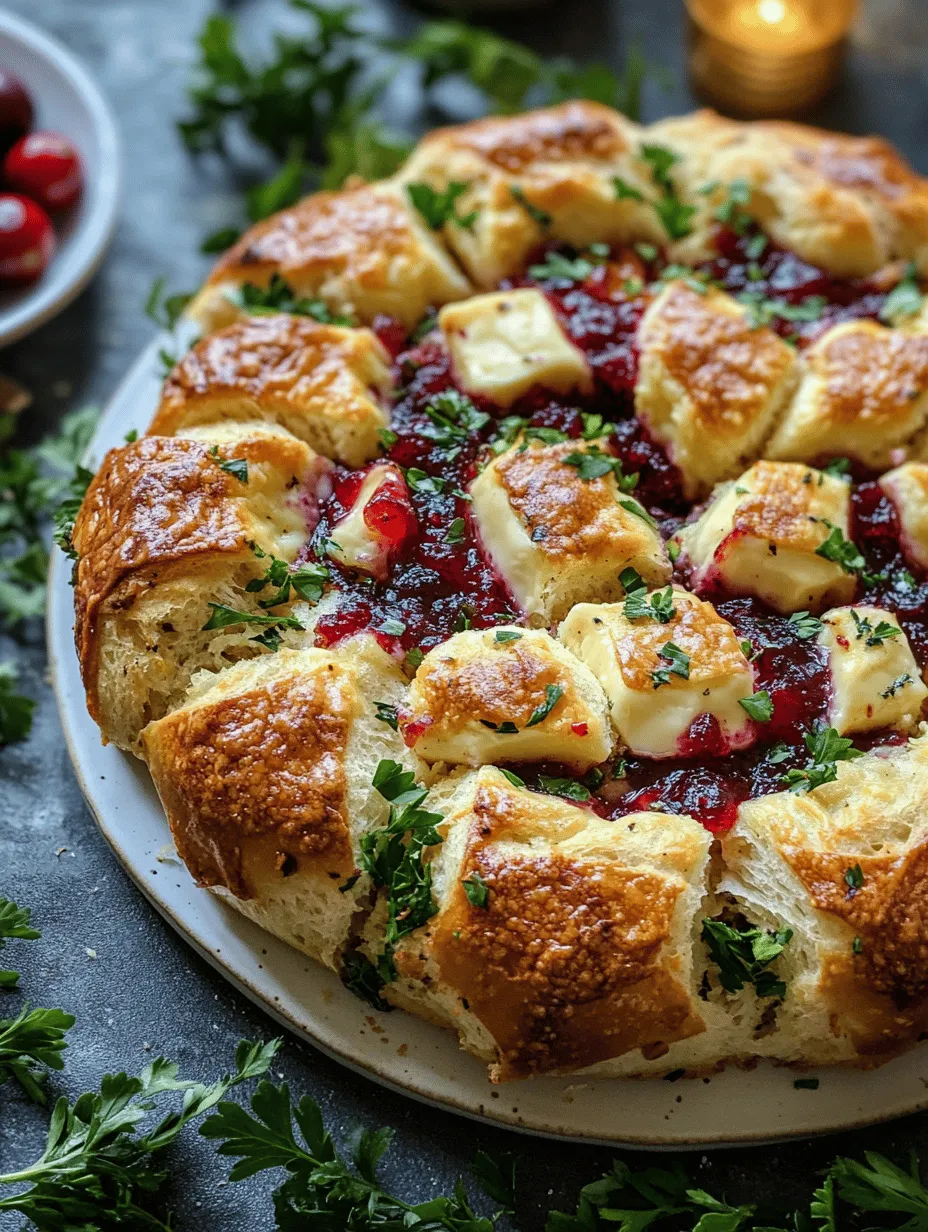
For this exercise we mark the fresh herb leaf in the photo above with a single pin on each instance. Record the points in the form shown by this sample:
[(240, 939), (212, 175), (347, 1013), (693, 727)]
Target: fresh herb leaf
[(759, 706), (594, 463), (30, 1044), (456, 532), (222, 616), (535, 212), (762, 311), (166, 310), (453, 419), (507, 635), (232, 466), (838, 468), (558, 268), (675, 216), (360, 976), (439, 208), (678, 664), (854, 879), (732, 212), (569, 788), (632, 506), (14, 925), (392, 627), (660, 159), (387, 714), (743, 955), (874, 635), (638, 606), (512, 778), (841, 550), (804, 625), (477, 891), (826, 748), (553, 694), (895, 685), (624, 191), (278, 296), (904, 300)]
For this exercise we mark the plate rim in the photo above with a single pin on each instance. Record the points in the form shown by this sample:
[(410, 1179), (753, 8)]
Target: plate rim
[(100, 224), (217, 960)]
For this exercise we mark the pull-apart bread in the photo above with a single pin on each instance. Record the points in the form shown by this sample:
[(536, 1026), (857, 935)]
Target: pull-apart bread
[(520, 598)]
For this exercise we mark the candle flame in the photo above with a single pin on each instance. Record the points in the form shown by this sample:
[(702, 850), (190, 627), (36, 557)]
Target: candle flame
[(771, 11)]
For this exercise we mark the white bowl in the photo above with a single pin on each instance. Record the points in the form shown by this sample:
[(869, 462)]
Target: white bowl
[(67, 101)]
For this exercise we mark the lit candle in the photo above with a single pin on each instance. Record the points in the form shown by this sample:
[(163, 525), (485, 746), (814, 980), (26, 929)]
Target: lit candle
[(766, 57)]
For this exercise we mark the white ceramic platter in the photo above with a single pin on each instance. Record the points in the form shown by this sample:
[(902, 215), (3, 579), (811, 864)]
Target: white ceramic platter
[(395, 1049), (67, 101)]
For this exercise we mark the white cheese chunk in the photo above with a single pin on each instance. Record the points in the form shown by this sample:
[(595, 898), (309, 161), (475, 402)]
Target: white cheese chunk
[(355, 543), (559, 539), (503, 344), (762, 534), (875, 679), (506, 694), (653, 707), (907, 488)]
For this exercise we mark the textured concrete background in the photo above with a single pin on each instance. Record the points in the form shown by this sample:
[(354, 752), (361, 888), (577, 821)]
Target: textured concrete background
[(145, 987)]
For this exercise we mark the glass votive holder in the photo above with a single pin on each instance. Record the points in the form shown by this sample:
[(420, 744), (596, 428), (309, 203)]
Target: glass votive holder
[(766, 57)]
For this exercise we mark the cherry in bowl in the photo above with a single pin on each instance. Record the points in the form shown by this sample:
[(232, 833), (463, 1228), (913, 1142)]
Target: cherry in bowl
[(46, 167), (27, 239)]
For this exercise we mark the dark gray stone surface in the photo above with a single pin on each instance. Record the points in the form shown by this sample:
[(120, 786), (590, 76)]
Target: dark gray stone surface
[(145, 990)]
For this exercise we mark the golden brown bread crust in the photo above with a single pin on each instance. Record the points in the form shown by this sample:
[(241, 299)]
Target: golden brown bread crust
[(363, 250), (563, 966), (320, 381), (256, 776), (777, 508), (156, 505)]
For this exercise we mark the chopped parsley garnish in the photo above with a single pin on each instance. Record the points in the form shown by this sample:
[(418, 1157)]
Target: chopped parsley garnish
[(439, 208), (393, 856), (456, 531), (570, 789), (674, 548), (512, 778), (826, 748), (778, 753), (535, 212), (547, 436), (637, 604), (414, 656), (759, 706), (840, 549), (674, 214), (360, 976), (506, 432), (477, 891), (904, 300), (507, 635), (562, 269), (278, 296), (743, 955), (238, 467), (624, 191), (553, 694), (419, 481), (804, 625), (388, 437), (678, 664), (857, 945), (763, 311), (222, 616), (632, 506), (854, 879), (594, 463), (894, 686), (392, 627), (838, 468), (308, 581), (875, 636), (453, 418), (732, 211), (593, 426), (387, 714), (647, 252)]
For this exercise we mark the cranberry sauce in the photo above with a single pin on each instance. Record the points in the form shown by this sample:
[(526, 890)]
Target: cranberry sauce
[(436, 578)]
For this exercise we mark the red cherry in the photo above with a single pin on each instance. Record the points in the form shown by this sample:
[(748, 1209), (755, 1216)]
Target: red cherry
[(47, 168), (15, 108), (27, 239)]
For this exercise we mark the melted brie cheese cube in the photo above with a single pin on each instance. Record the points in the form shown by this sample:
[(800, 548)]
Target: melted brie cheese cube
[(864, 393), (759, 535), (476, 699), (354, 542), (907, 488), (558, 539), (503, 344), (653, 708), (710, 385), (875, 679)]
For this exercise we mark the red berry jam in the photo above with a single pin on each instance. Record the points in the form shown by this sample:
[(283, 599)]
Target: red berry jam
[(440, 579)]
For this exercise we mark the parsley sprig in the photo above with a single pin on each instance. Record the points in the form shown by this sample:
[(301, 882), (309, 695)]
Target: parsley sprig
[(675, 215), (439, 207), (594, 463), (453, 420), (743, 954), (639, 605), (826, 748), (279, 296), (393, 856)]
